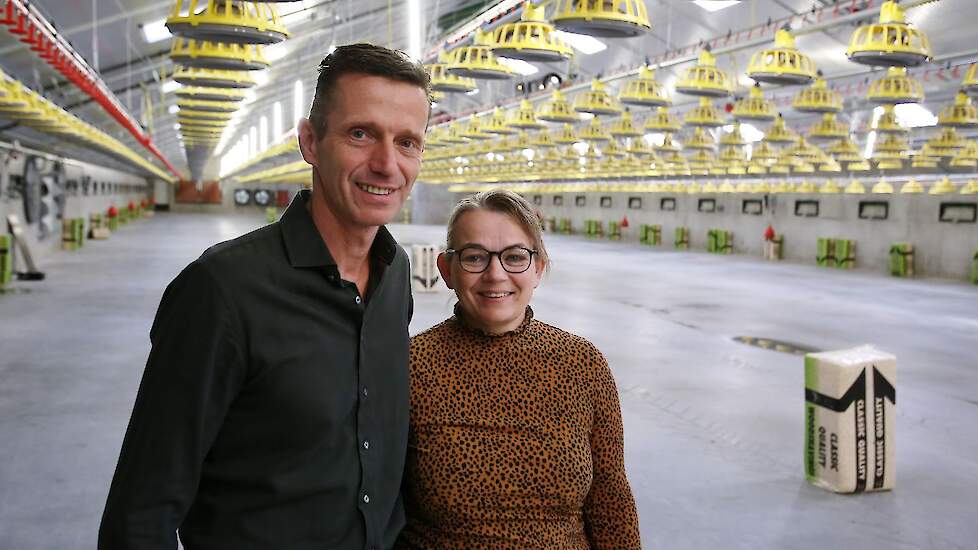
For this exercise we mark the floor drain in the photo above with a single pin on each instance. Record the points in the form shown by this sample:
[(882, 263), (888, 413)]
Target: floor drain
[(774, 345)]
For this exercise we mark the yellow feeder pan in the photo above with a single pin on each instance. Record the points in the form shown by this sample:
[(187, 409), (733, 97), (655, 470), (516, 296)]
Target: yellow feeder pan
[(710, 187), (525, 118), (743, 187), (895, 88), (754, 107), (889, 43), (473, 130), (855, 187), (860, 166), (782, 187), (701, 140), (960, 115), (705, 115), (597, 101), (756, 169), (830, 187), (478, 61), (763, 152), (780, 133), (964, 162), (943, 187), (566, 135), (912, 187), (209, 115), (211, 94), (890, 164), (669, 145), (497, 124), (453, 134), (726, 187), (762, 187), (845, 151), (211, 106), (663, 121), (780, 168), (701, 157), (693, 188), (818, 98), (803, 168), (925, 162), (609, 19), (235, 21), (594, 132), (623, 127), (830, 166), (970, 188), (613, 149), (782, 65), (829, 128), (888, 123), (970, 83), (946, 144), (532, 38), (895, 144), (736, 170), (217, 55), (639, 148), (644, 91), (705, 79), (190, 122), (882, 188), (542, 140), (733, 138), (443, 81), (557, 109), (211, 78)]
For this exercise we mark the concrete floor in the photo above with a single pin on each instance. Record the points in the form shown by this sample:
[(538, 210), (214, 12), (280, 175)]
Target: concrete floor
[(713, 427)]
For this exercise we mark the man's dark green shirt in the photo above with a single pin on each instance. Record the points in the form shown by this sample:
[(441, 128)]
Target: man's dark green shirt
[(273, 411)]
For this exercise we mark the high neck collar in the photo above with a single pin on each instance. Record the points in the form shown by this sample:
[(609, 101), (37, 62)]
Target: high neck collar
[(461, 321)]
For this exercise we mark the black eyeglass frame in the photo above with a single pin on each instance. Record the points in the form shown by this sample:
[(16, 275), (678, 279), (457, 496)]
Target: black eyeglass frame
[(497, 254)]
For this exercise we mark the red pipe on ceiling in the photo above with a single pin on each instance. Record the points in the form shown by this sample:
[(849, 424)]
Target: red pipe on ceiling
[(34, 30)]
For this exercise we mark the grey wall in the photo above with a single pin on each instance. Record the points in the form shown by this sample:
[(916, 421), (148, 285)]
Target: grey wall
[(106, 187), (941, 249), (431, 204)]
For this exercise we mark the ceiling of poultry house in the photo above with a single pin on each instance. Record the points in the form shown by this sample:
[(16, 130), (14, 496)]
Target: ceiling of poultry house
[(109, 35)]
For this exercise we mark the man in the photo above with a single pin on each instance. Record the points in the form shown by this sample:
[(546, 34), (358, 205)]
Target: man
[(273, 411)]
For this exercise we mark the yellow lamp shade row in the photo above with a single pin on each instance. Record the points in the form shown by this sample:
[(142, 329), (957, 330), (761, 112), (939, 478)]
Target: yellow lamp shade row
[(623, 127), (597, 101), (663, 121), (525, 118), (780, 133), (566, 135), (943, 187), (818, 98), (845, 151), (895, 88), (532, 38), (889, 43), (701, 140), (594, 132), (443, 81), (706, 114), (477, 61), (962, 114), (705, 79), (755, 107), (733, 138), (557, 109), (782, 65), (912, 187), (235, 21), (498, 124), (211, 78), (219, 56), (763, 153), (608, 18), (829, 128), (473, 130), (644, 91), (888, 123)]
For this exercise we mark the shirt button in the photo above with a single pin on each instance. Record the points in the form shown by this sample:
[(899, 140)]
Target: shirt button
[(357, 299), (365, 391), (366, 444), (366, 499)]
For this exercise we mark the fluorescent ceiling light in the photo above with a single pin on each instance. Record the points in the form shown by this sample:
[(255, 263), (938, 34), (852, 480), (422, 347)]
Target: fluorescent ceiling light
[(472, 92), (585, 116), (170, 86), (261, 77), (748, 132), (518, 65), (295, 12), (414, 28), (587, 45), (275, 52), (173, 109), (155, 31), (715, 5)]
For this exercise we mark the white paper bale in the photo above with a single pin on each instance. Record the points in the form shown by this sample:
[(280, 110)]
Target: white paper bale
[(850, 408)]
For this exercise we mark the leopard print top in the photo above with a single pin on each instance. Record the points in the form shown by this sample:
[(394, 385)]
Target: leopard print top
[(516, 443)]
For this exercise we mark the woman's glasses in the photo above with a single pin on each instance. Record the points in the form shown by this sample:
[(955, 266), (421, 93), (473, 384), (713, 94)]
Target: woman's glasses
[(474, 259)]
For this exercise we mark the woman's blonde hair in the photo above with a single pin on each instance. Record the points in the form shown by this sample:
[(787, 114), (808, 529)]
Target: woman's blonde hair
[(505, 202)]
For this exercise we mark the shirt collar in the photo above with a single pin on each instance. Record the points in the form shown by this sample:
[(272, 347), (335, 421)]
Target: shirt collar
[(304, 245)]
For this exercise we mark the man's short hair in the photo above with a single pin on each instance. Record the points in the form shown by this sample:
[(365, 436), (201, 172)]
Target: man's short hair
[(362, 59)]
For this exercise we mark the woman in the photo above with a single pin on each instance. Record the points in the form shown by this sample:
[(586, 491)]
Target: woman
[(516, 435)]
